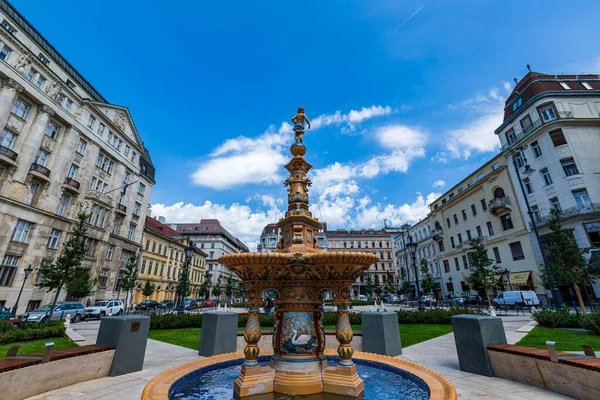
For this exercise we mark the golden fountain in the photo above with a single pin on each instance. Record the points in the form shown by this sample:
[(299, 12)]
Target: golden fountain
[(299, 273)]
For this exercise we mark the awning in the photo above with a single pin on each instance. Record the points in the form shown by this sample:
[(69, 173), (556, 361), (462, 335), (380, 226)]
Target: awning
[(519, 278)]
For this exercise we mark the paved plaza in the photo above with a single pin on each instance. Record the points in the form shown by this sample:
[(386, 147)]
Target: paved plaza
[(438, 354)]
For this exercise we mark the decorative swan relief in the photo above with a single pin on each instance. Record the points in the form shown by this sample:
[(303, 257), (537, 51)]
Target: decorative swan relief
[(300, 340)]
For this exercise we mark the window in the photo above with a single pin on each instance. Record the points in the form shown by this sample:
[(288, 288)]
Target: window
[(211, 254), (101, 128), (546, 176), (127, 150), (479, 232), (131, 232), (68, 104), (70, 84), (441, 245), (7, 139), (4, 53), (519, 159), (52, 130), (582, 198), (456, 264), (510, 136), (517, 103), (469, 237), (587, 85), (8, 269), (448, 222), (65, 200), (159, 248), (555, 203), (133, 154), (517, 251), (20, 109), (98, 216), (536, 213), (154, 247), (527, 186), (147, 244), (460, 238), (105, 163), (21, 232), (465, 262), (564, 85), (446, 266), (490, 229), (33, 189), (136, 208), (31, 74), (526, 124), (43, 59), (72, 174), (91, 122), (569, 166), (506, 222), (54, 238), (452, 241), (81, 146), (9, 28), (473, 210), (40, 81), (464, 215), (483, 205), (497, 255), (558, 139), (141, 189), (116, 225), (41, 157), (537, 151), (455, 220), (109, 251)]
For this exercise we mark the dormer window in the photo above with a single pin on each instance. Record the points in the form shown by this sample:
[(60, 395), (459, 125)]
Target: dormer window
[(587, 85), (517, 103), (564, 85)]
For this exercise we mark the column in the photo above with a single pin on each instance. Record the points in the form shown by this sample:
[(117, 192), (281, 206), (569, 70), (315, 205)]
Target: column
[(9, 91), (344, 335), (31, 143), (252, 335)]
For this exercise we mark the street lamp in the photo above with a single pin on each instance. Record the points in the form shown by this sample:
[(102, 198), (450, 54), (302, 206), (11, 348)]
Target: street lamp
[(412, 248), (189, 252), (27, 271), (556, 296), (507, 273)]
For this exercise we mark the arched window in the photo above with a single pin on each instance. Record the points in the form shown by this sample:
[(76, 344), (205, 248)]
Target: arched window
[(337, 245), (345, 245), (499, 193), (438, 226)]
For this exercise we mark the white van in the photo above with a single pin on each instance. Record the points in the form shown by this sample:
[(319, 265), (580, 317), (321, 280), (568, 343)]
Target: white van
[(362, 297), (510, 298)]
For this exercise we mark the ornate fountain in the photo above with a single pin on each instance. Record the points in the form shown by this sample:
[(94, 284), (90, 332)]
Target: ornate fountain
[(298, 274)]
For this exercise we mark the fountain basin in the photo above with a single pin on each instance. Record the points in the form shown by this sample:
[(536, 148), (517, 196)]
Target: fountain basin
[(418, 381)]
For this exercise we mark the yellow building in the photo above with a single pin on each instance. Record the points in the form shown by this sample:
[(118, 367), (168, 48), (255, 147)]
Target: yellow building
[(163, 257)]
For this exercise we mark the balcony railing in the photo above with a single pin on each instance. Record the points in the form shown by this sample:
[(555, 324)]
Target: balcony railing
[(5, 151), (41, 169), (101, 197), (521, 134), (121, 208), (499, 204), (569, 213), (72, 183)]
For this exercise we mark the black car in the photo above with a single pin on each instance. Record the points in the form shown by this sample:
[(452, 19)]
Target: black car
[(148, 305), (168, 304)]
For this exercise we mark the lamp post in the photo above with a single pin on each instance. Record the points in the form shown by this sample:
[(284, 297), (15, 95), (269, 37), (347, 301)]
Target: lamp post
[(27, 271), (556, 296), (412, 248), (189, 252), (507, 273)]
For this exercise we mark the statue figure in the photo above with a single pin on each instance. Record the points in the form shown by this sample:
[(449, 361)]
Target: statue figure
[(298, 121), (120, 120), (53, 91), (22, 63)]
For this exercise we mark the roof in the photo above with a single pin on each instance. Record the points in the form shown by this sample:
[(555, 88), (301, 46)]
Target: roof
[(156, 226), (146, 160), (270, 229), (212, 226), (365, 232), (30, 31)]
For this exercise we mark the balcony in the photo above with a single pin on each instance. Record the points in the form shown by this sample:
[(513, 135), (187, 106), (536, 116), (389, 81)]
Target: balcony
[(521, 134), (40, 171), (568, 213), (71, 185), (121, 209), (499, 206), (99, 197), (8, 156), (436, 233)]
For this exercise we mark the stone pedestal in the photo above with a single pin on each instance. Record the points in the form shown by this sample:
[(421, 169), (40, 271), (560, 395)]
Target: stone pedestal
[(343, 380), (219, 333), (253, 380), (473, 334), (381, 333), (129, 335)]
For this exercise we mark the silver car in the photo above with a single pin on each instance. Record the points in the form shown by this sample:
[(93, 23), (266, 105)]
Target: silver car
[(62, 309), (102, 308)]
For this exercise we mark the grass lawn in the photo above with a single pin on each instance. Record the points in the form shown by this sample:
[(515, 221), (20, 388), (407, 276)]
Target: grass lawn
[(36, 346), (411, 334), (539, 335)]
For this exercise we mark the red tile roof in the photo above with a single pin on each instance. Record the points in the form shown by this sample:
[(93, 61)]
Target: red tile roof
[(165, 230), (212, 226)]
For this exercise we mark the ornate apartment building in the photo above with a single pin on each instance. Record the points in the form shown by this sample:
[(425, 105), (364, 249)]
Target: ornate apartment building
[(63, 147), (374, 241), (162, 260), (552, 124)]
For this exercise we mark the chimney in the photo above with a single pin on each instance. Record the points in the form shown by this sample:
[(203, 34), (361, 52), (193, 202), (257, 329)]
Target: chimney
[(162, 220)]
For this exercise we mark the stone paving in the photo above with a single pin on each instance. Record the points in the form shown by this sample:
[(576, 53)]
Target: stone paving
[(438, 354)]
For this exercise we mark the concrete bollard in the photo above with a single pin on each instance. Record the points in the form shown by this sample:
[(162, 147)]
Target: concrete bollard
[(381, 333), (219, 333), (473, 334), (68, 321), (129, 335)]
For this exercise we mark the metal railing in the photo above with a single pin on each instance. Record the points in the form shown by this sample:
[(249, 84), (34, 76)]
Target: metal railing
[(41, 169), (96, 195), (5, 151), (121, 207), (520, 133), (72, 183), (499, 202), (569, 213)]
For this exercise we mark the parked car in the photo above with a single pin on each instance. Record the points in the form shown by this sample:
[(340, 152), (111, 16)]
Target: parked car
[(148, 305), (362, 297), (208, 303), (102, 308), (429, 299), (62, 309), (509, 298), (457, 301), (167, 304), (189, 304), (402, 297), (5, 313), (394, 299)]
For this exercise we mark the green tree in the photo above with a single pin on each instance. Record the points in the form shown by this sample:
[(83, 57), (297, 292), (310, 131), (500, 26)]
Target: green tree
[(184, 280), (148, 289), (566, 260), (229, 287), (377, 287), (484, 273), (205, 287), (427, 283), (81, 284), (129, 277), (390, 286), (216, 290), (62, 271), (369, 285)]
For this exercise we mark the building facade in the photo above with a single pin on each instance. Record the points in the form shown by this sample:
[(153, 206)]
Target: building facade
[(378, 242), (63, 148), (214, 240), (162, 261), (552, 123), (268, 239)]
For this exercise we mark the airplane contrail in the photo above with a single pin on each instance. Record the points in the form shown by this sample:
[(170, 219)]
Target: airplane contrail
[(406, 20)]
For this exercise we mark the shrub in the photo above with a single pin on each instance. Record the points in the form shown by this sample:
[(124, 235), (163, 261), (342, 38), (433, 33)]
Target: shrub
[(238, 305), (591, 322), (174, 321), (558, 319), (27, 331), (363, 302), (431, 316)]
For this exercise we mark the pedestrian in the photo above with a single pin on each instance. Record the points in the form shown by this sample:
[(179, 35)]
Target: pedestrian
[(88, 302), (269, 304)]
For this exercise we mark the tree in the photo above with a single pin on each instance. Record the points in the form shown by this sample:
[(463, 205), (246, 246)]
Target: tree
[(216, 290), (205, 287), (148, 289), (377, 287), (229, 287), (405, 287), (81, 284), (390, 286), (484, 273), (63, 271), (566, 260), (369, 285), (129, 276), (184, 280), (427, 283)]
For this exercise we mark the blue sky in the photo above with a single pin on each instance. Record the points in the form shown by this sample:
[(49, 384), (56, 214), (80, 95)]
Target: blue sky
[(403, 94)]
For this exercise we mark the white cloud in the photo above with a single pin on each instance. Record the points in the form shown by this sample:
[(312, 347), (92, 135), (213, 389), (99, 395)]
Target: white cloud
[(439, 184), (351, 119), (400, 136), (477, 136)]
